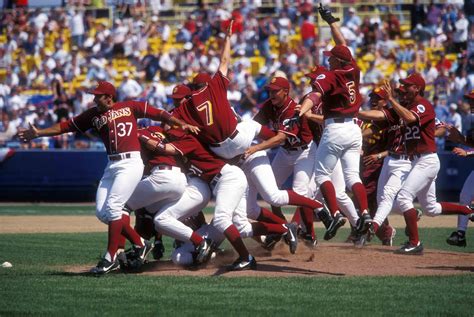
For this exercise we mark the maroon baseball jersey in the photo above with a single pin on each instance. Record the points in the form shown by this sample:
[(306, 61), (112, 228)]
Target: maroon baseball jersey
[(315, 128), (209, 109), (117, 126), (197, 159), (340, 91), (297, 135), (418, 136), (152, 158)]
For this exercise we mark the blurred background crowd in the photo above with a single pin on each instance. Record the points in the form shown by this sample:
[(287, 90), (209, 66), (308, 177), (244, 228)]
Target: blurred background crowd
[(49, 56)]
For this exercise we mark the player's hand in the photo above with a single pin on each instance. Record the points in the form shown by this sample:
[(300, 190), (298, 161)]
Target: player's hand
[(459, 152), (388, 88), (251, 150), (191, 128), (454, 135), (370, 159), (326, 14), (26, 135), (295, 120)]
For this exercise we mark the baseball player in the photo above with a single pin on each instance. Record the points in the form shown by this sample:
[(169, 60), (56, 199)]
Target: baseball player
[(458, 238), (116, 124), (208, 108), (338, 89), (294, 156), (418, 134)]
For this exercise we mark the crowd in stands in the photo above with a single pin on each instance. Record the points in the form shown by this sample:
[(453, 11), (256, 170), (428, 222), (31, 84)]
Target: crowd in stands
[(49, 58)]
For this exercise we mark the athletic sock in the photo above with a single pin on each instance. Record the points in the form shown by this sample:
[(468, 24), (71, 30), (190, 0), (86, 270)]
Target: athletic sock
[(233, 235), (307, 219), (264, 228), (329, 194), (196, 239), (277, 211), (114, 235), (130, 233), (267, 216), (412, 225), (360, 195), (300, 200), (451, 209)]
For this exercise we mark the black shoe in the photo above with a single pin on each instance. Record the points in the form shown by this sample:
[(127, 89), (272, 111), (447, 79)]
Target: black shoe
[(142, 252), (363, 224), (122, 260), (410, 249), (270, 241), (325, 216), (158, 250), (457, 238), (337, 222), (310, 241), (204, 251), (291, 237), (105, 266), (244, 264)]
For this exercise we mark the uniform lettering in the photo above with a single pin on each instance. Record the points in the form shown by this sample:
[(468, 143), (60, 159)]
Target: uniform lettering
[(412, 133), (99, 122), (352, 92)]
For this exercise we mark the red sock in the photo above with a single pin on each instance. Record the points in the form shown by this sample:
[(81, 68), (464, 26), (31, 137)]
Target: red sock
[(267, 216), (123, 239), (307, 219), (196, 239), (375, 226), (233, 235), (329, 194), (114, 237), (412, 225), (450, 209), (299, 200), (360, 196), (266, 133), (297, 216), (277, 211), (129, 232), (144, 225), (264, 228)]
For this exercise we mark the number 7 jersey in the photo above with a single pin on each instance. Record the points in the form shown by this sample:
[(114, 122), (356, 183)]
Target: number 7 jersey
[(209, 109)]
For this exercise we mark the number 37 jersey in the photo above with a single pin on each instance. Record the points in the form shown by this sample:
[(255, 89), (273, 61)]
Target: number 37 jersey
[(340, 91), (419, 136)]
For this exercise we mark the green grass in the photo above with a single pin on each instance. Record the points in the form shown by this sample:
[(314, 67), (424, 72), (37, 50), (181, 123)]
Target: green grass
[(36, 285)]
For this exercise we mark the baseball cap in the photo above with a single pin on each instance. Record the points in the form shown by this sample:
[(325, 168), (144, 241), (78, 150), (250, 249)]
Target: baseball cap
[(341, 52), (316, 71), (278, 83), (104, 88), (380, 92), (400, 89), (201, 78), (180, 91), (453, 106), (414, 79), (469, 95)]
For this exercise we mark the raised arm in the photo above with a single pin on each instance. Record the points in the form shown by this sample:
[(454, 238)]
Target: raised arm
[(404, 113), (225, 54), (327, 16)]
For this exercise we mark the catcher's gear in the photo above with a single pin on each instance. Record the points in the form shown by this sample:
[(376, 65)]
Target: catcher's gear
[(290, 123), (326, 14)]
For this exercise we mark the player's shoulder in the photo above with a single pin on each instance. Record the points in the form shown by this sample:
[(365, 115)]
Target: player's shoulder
[(423, 106)]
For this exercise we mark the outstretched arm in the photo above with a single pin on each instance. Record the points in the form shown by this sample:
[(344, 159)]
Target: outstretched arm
[(26, 135), (327, 16), (375, 115), (267, 144), (225, 55)]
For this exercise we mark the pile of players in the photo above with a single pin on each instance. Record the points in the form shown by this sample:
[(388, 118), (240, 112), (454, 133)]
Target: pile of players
[(202, 150)]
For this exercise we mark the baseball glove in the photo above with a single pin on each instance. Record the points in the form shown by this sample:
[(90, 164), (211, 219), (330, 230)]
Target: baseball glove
[(326, 14), (290, 123)]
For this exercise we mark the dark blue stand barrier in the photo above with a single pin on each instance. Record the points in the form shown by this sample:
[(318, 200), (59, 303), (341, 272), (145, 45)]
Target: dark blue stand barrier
[(72, 176)]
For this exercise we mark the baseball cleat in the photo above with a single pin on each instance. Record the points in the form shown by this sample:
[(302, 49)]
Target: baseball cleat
[(158, 250), (105, 266), (389, 241), (309, 241), (142, 252), (270, 241), (244, 264), (204, 251), (325, 216), (363, 223), (337, 222), (291, 237), (410, 249), (457, 238)]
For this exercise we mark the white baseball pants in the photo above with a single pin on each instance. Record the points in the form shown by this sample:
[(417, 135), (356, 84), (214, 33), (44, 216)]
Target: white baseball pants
[(230, 148), (465, 198)]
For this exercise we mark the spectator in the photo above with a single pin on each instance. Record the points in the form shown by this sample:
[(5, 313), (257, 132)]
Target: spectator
[(77, 27), (352, 20), (130, 88), (460, 33), (308, 32), (441, 85), (454, 118)]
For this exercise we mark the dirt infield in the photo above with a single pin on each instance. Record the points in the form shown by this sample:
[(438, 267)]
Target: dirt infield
[(327, 259)]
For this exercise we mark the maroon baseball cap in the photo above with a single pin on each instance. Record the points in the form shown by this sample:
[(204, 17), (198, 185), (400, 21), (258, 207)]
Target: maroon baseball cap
[(341, 52), (380, 92), (316, 71), (414, 79), (469, 95), (278, 83), (201, 78), (180, 91), (104, 88)]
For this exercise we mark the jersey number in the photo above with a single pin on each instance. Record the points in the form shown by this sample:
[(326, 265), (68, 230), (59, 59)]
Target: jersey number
[(207, 107), (412, 133), (124, 129), (352, 92)]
